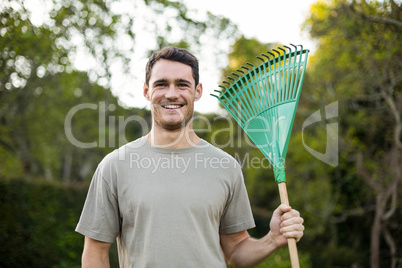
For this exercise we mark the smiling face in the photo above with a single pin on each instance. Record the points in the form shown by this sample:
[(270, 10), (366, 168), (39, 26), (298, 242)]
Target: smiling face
[(172, 91)]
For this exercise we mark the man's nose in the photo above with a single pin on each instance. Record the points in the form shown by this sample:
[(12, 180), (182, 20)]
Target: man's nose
[(172, 92)]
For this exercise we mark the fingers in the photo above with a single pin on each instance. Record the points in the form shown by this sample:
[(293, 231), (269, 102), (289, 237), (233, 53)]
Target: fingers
[(291, 225), (294, 230), (291, 213), (281, 210), (287, 222)]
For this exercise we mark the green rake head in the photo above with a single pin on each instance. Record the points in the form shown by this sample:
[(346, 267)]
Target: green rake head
[(263, 100)]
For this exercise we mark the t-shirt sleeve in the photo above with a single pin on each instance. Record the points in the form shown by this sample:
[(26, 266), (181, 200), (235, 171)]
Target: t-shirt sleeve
[(237, 215), (100, 216)]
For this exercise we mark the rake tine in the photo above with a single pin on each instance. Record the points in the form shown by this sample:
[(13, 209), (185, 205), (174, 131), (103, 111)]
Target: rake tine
[(304, 60), (276, 92), (219, 91), (269, 85), (271, 70), (240, 91), (228, 91), (274, 83), (242, 77), (230, 107), (240, 71), (249, 84), (242, 107), (269, 52), (298, 85), (296, 72), (215, 96), (234, 86), (277, 75), (248, 63), (280, 73), (268, 58), (261, 82), (279, 54), (225, 92), (244, 67), (251, 72), (289, 72), (293, 82), (283, 84), (251, 101)]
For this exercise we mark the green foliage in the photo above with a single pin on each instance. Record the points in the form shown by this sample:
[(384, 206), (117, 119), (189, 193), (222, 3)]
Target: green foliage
[(37, 225), (358, 63), (245, 50), (281, 259), (40, 86)]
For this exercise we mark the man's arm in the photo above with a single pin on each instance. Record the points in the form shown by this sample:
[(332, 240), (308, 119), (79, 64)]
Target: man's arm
[(241, 250), (96, 254)]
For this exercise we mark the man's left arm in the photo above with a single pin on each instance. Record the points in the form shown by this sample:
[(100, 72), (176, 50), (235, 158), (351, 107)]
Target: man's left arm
[(241, 250)]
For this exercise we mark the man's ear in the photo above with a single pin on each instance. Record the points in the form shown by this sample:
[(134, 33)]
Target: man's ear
[(198, 91), (146, 91)]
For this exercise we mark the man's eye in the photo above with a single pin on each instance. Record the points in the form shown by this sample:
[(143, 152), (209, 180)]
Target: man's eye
[(182, 85)]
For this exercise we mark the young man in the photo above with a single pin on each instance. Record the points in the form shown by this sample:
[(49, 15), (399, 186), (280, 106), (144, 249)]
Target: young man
[(170, 198)]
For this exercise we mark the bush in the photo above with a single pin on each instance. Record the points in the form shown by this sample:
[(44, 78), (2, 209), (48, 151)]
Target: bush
[(37, 225)]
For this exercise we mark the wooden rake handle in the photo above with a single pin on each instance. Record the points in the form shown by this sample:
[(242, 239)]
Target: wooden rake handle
[(294, 258)]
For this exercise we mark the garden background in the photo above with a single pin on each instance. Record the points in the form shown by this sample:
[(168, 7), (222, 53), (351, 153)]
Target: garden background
[(58, 121)]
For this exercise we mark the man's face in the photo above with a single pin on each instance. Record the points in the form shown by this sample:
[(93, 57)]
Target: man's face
[(172, 92)]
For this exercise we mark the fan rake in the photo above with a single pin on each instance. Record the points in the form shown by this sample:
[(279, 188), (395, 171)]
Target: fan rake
[(263, 100)]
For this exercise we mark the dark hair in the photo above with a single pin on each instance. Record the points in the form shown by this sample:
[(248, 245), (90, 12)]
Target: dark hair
[(174, 54)]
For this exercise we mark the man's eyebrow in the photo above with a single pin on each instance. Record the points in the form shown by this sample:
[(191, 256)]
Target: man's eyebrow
[(159, 81), (182, 81)]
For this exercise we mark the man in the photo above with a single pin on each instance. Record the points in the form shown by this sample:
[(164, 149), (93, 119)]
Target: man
[(170, 198)]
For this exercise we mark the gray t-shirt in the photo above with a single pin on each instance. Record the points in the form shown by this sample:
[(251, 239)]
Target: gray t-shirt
[(166, 207)]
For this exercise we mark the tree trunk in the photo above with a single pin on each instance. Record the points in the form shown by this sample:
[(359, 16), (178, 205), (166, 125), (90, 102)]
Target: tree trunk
[(68, 160), (376, 234), (392, 247)]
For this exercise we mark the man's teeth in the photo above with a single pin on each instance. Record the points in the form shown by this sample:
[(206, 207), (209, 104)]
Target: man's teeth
[(172, 106)]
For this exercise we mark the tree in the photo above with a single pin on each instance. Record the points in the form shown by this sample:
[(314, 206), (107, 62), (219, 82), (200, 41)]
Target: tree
[(42, 79), (358, 61), (243, 50)]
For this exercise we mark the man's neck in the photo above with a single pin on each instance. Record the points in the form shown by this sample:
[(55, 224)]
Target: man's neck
[(181, 138)]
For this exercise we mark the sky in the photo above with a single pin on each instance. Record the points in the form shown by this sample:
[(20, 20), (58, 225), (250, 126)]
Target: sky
[(269, 21)]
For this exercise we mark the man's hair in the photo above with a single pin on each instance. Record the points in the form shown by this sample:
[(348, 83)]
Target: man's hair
[(174, 54)]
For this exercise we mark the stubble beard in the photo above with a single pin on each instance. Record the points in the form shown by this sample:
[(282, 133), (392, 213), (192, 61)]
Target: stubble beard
[(175, 126)]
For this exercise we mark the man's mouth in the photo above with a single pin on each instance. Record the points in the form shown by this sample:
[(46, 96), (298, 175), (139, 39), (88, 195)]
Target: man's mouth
[(172, 106)]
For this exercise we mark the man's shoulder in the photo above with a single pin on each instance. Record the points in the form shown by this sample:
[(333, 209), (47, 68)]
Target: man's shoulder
[(122, 154), (215, 151)]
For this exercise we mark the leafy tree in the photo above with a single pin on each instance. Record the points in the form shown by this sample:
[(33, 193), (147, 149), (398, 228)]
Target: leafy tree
[(245, 50), (40, 81), (358, 62)]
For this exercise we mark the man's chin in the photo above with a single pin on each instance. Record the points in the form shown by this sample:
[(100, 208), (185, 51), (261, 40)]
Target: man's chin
[(173, 126)]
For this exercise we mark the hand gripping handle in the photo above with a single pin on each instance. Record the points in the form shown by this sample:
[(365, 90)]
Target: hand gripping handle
[(294, 258)]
